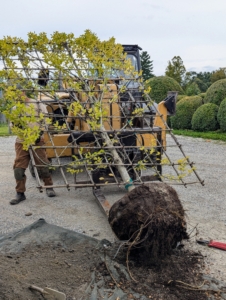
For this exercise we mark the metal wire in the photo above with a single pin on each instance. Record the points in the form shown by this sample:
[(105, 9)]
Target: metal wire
[(131, 155)]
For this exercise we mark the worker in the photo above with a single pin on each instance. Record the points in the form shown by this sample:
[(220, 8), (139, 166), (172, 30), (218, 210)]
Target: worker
[(23, 157)]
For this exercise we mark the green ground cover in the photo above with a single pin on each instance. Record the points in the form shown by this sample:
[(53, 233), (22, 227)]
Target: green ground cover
[(4, 130), (210, 135)]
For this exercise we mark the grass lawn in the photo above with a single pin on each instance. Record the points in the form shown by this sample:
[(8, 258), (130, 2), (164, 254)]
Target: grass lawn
[(4, 130), (210, 135)]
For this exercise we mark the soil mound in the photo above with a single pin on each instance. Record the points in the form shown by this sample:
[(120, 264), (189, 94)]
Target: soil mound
[(85, 268), (151, 218)]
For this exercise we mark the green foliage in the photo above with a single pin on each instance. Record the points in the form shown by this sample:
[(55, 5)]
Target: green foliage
[(188, 78), (161, 85), (176, 69), (89, 159), (216, 92), (221, 116), (201, 84), (4, 130), (205, 78), (218, 74), (184, 112), (192, 89), (192, 78), (93, 58), (168, 121), (208, 135), (179, 97), (146, 65), (202, 95), (205, 118), (26, 124), (84, 66)]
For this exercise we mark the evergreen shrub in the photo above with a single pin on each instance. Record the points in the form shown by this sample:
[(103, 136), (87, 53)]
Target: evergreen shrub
[(185, 109), (205, 118), (203, 95), (221, 116), (179, 97), (216, 92), (202, 85), (161, 85), (192, 89)]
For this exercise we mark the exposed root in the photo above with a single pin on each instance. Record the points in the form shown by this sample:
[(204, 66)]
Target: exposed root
[(152, 217)]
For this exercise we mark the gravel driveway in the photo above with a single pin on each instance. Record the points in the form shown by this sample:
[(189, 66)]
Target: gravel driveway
[(77, 209)]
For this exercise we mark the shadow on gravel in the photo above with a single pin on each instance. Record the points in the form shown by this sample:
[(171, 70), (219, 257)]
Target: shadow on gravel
[(85, 268)]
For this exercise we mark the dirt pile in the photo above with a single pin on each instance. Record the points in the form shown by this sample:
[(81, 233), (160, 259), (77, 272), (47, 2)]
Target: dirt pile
[(152, 218), (85, 268)]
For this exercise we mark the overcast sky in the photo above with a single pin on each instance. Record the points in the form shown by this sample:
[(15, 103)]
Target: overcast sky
[(195, 29)]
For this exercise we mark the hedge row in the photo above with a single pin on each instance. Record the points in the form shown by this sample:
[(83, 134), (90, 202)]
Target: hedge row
[(185, 109), (191, 113), (221, 116), (207, 117)]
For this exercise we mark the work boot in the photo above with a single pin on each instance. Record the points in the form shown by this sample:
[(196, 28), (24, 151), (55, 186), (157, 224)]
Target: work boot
[(50, 192), (19, 197)]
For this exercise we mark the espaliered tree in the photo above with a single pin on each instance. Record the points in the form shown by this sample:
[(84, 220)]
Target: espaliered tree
[(74, 60), (80, 63), (86, 68)]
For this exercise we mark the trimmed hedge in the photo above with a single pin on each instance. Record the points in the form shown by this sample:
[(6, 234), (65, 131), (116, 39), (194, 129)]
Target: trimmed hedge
[(205, 118), (185, 109), (202, 86), (216, 92), (161, 85), (179, 97), (192, 89), (203, 95), (221, 116)]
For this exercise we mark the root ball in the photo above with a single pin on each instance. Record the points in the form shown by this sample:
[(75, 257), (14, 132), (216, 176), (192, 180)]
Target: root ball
[(151, 217)]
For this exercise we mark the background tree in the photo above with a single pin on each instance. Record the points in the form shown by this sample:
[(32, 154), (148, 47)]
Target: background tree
[(195, 79), (201, 84), (192, 89), (176, 69), (218, 74), (188, 78), (146, 65), (205, 77)]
